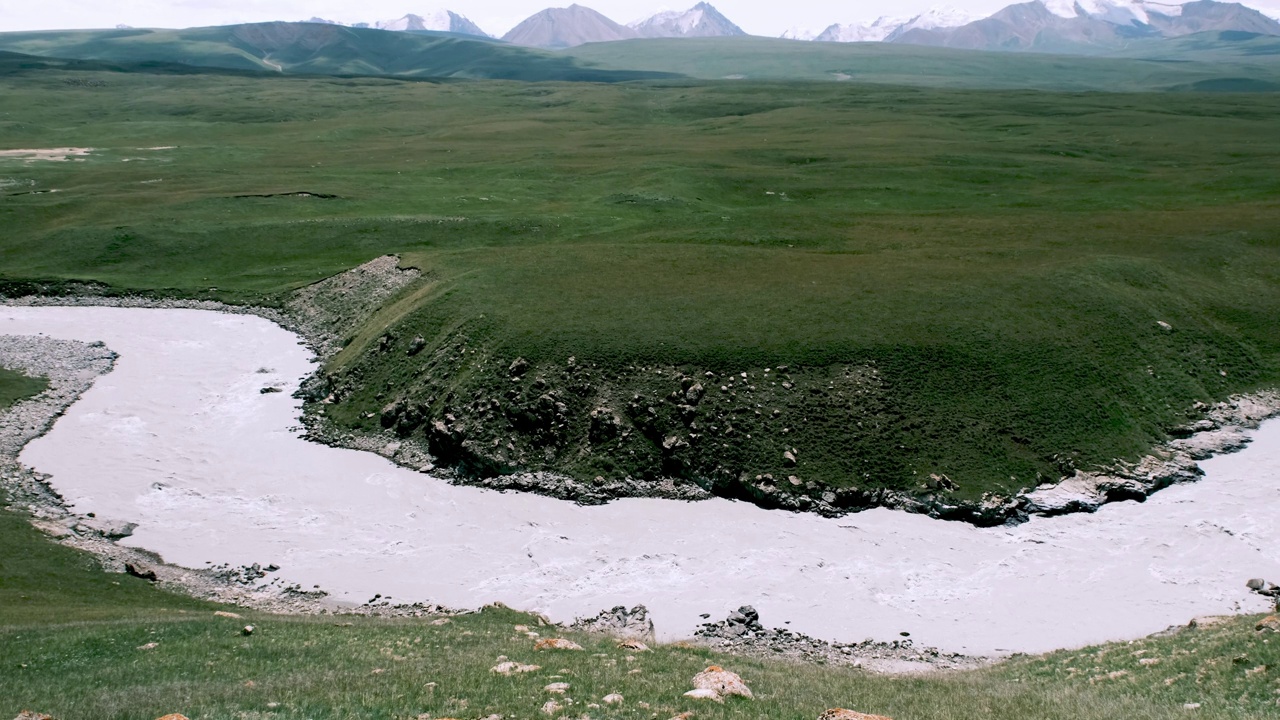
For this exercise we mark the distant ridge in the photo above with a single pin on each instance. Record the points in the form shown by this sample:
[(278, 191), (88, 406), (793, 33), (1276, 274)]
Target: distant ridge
[(556, 28), (1070, 26), (282, 48)]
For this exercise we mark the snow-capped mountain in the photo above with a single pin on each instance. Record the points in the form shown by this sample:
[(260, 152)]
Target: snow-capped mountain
[(888, 28), (1090, 25), (435, 20), (701, 20)]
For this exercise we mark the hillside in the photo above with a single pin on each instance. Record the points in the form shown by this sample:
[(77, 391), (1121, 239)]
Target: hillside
[(311, 48)]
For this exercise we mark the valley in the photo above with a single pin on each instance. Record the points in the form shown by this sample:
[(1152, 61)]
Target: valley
[(360, 333)]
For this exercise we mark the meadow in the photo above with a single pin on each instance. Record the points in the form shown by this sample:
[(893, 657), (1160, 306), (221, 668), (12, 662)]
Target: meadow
[(995, 264)]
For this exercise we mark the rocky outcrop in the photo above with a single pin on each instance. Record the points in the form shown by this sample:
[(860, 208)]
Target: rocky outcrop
[(620, 622), (330, 312), (742, 633)]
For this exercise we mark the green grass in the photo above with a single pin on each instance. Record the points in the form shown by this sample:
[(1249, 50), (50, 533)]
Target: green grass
[(1157, 65), (1002, 258), (15, 386), (72, 636)]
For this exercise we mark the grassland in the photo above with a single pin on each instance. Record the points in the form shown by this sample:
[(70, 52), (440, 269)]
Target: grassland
[(959, 282), (75, 640), (1154, 65), (15, 386)]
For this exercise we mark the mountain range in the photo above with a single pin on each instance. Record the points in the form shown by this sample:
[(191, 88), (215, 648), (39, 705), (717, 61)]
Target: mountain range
[(1048, 25)]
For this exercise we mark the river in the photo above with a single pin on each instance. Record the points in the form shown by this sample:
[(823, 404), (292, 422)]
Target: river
[(180, 439)]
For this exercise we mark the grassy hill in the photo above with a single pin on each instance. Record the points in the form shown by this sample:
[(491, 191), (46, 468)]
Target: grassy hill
[(1145, 68), (310, 48), (959, 282)]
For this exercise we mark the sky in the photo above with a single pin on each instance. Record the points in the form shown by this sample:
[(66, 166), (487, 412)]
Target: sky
[(758, 17)]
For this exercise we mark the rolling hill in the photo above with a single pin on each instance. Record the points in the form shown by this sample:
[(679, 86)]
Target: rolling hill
[(313, 49)]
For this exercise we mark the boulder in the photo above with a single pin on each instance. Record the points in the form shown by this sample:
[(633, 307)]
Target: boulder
[(611, 699), (416, 345), (629, 624), (513, 668), (1256, 584), (704, 694), (33, 715), (139, 570), (842, 714), (556, 644), (1270, 623), (557, 688), (722, 682)]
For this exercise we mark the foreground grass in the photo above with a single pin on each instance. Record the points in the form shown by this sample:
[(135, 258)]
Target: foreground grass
[(78, 645), (1003, 260)]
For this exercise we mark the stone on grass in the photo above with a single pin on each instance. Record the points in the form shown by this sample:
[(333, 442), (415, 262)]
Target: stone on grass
[(225, 614), (843, 714), (556, 644), (558, 688), (247, 630), (173, 716), (635, 645), (513, 668), (552, 707), (611, 699), (149, 646), (1270, 623), (32, 715), (721, 681), (704, 694)]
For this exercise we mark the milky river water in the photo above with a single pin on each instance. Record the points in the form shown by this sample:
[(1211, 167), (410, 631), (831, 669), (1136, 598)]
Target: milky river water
[(179, 439)]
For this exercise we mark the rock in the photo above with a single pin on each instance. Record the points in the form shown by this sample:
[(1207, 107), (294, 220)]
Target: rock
[(247, 630), (634, 645), (149, 646), (173, 716), (1256, 584), (1270, 623), (510, 668), (225, 614), (722, 682), (518, 367), (1191, 706), (842, 714), (416, 345), (139, 570), (611, 699), (694, 393), (557, 688), (33, 715), (556, 644), (552, 707), (513, 668), (620, 622), (788, 459), (704, 694)]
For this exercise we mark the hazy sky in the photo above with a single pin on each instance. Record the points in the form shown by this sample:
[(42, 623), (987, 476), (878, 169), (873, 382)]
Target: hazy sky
[(759, 17)]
